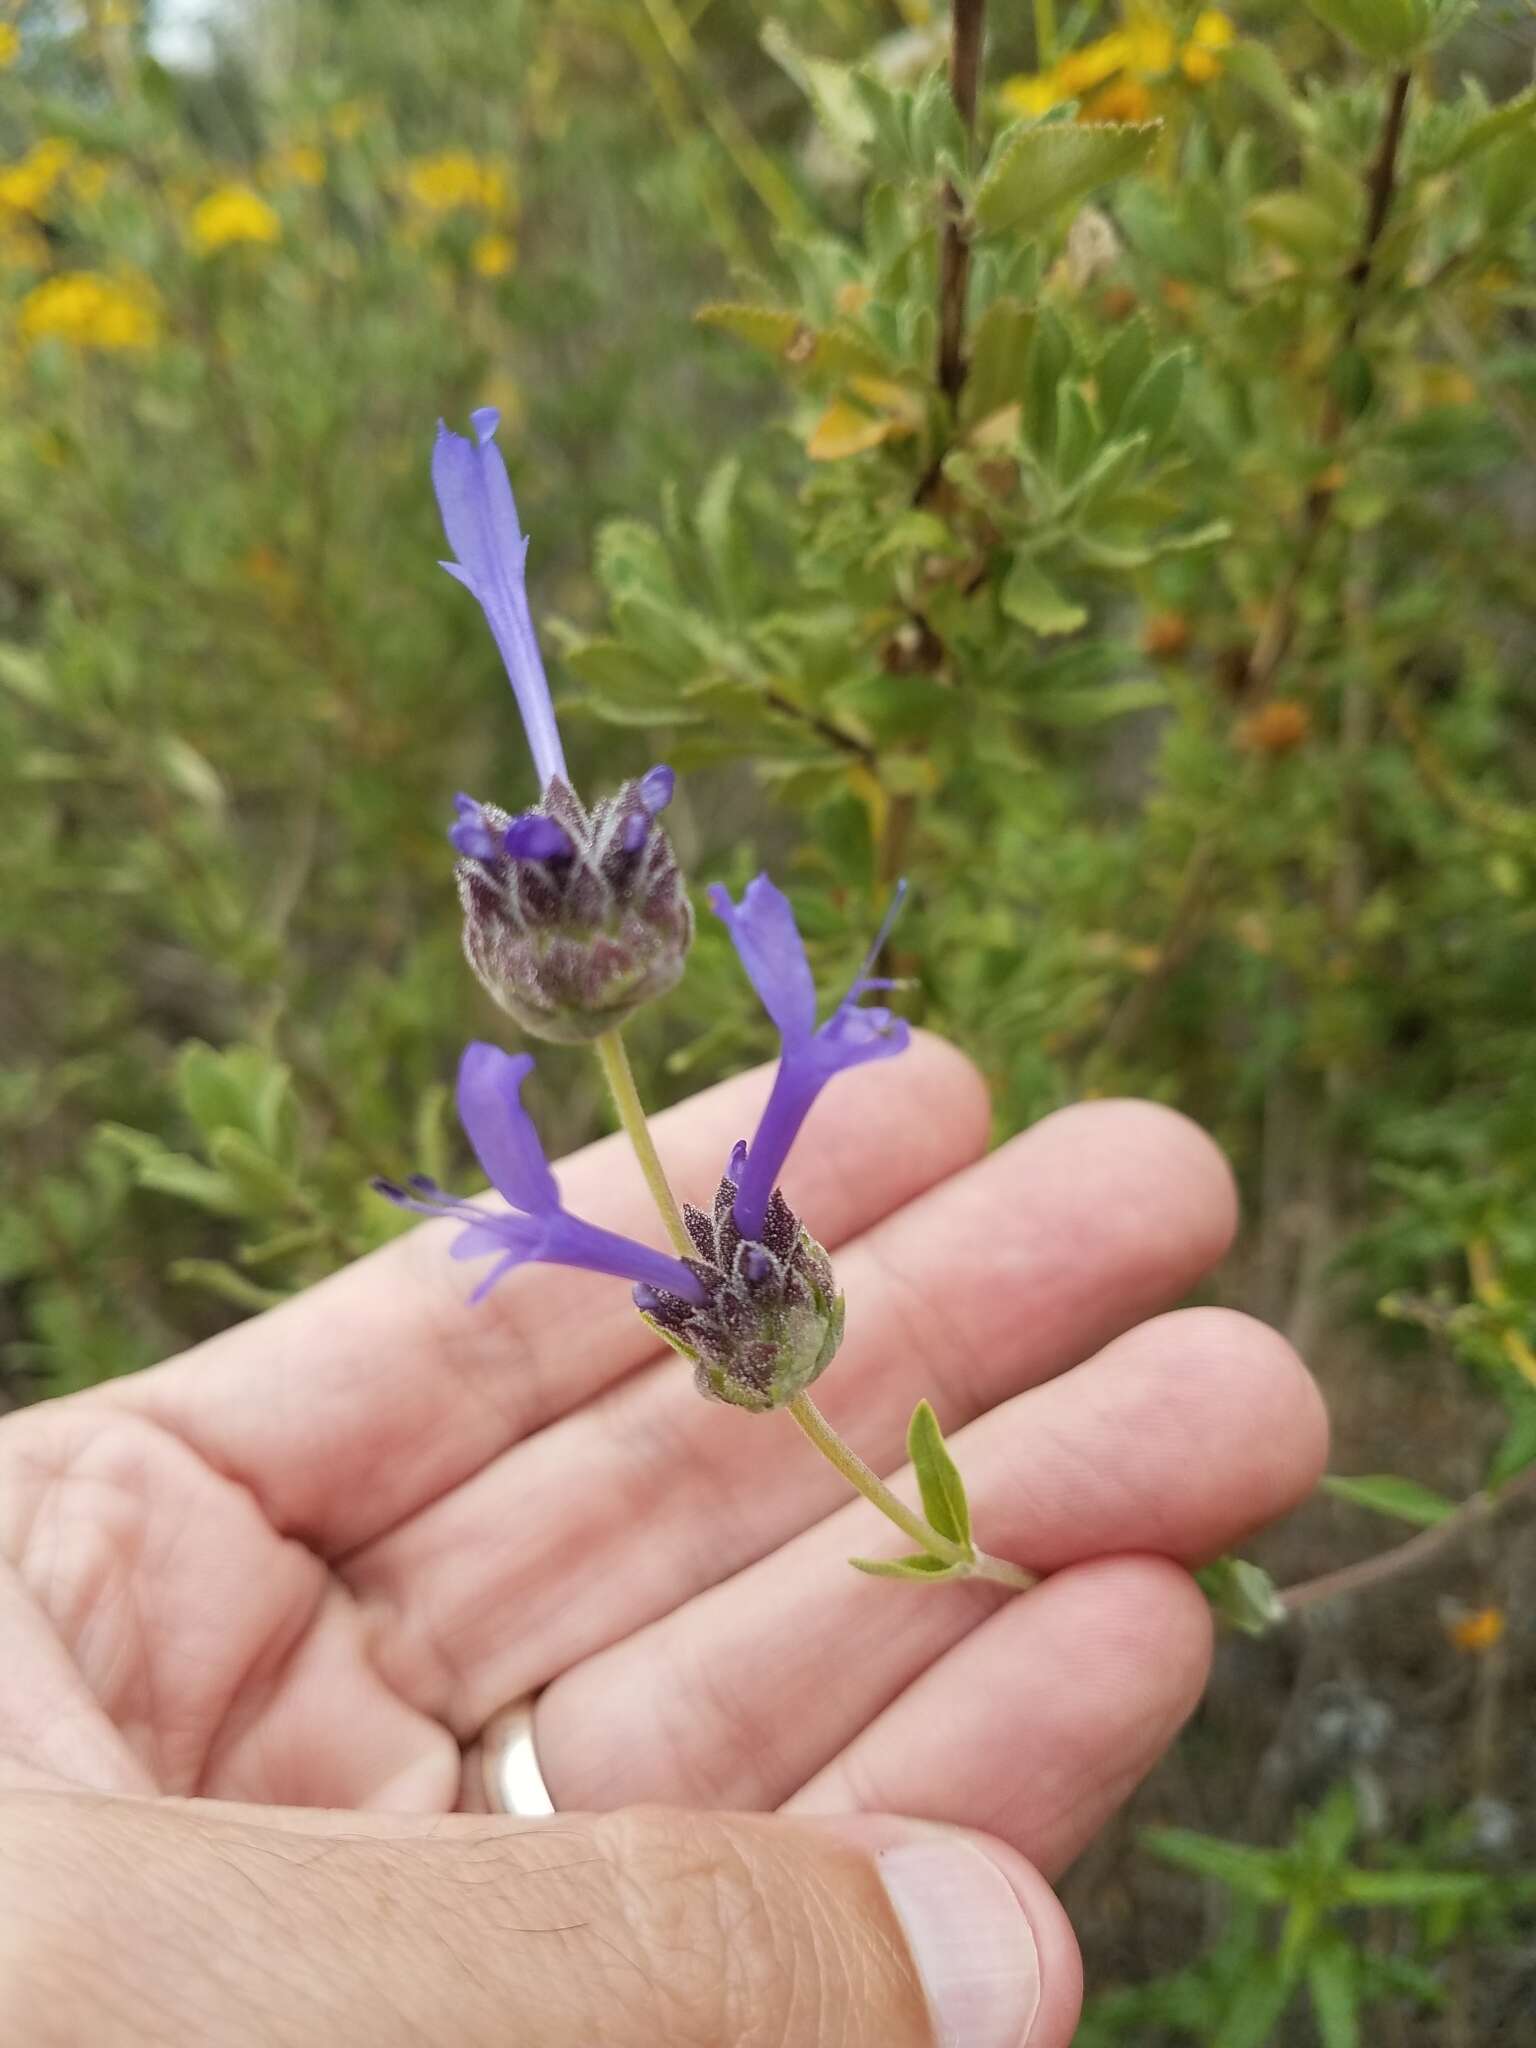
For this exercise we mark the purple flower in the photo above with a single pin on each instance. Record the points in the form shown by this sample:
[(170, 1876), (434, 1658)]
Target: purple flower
[(480, 519), (537, 1226), (762, 929)]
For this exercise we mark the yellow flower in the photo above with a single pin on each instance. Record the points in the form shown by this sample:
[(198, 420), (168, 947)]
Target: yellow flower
[(1093, 63), (1124, 99), (454, 179), (1478, 1631), (91, 311), (1150, 45), (300, 164), (1200, 59), (1031, 93), (10, 46), (234, 213), (493, 255), (27, 185)]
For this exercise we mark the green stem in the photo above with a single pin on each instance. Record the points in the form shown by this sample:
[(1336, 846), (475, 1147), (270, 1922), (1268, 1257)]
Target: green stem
[(1045, 34), (878, 1494), (619, 1075), (973, 1563)]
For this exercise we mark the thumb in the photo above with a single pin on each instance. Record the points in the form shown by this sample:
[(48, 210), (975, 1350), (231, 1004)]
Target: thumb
[(132, 1919)]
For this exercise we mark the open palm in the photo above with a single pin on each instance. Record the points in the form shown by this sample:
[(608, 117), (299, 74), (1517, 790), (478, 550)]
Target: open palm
[(305, 1563)]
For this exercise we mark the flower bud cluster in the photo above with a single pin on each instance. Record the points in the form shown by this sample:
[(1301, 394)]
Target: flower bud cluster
[(771, 1318), (573, 918)]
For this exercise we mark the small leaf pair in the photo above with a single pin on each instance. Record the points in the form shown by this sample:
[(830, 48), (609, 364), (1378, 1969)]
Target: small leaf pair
[(944, 1503)]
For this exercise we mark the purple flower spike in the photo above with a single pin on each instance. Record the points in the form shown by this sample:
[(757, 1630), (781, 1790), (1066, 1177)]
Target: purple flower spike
[(763, 931), (536, 837), (656, 788), (537, 1228), (480, 519)]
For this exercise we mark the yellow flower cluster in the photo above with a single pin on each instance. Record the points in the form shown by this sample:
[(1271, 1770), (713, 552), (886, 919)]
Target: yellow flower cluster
[(27, 185), (91, 311), (10, 45), (455, 181), (231, 214), (1112, 76)]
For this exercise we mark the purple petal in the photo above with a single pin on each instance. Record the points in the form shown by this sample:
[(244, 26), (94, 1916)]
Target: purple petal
[(471, 833), (536, 837), (633, 831), (762, 929), (738, 1160), (756, 1264), (646, 1299), (574, 1243), (849, 1038), (656, 788), (480, 520), (498, 1272), (514, 1235), (501, 1130)]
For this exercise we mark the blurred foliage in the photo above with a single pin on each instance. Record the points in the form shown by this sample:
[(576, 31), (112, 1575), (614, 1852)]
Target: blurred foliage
[(1118, 519)]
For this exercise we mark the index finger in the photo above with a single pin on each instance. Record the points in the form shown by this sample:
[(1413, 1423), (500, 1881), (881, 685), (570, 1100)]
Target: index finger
[(357, 1403)]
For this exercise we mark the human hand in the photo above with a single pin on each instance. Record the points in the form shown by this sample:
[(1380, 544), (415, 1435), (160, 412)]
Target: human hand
[(302, 1566)]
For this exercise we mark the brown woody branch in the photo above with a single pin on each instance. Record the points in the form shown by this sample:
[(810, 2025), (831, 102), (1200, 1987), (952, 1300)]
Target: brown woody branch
[(1417, 1552), (955, 254)]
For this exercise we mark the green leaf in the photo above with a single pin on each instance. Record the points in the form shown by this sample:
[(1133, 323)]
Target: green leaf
[(1329, 1832), (938, 1477), (1404, 1499), (772, 328), (214, 1277), (1050, 358), (1412, 1887), (1261, 1996), (1242, 1594), (999, 358), (1038, 170), (1153, 404), (1389, 31), (1333, 1982), (920, 1567), (263, 1184), (626, 688), (1255, 1873), (1302, 226), (172, 1173), (1121, 368), (1030, 596), (1516, 116)]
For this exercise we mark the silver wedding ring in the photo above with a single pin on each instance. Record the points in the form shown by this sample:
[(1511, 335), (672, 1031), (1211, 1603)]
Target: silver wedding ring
[(509, 1764)]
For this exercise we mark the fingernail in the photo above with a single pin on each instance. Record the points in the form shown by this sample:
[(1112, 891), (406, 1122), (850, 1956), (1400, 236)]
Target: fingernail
[(970, 1941)]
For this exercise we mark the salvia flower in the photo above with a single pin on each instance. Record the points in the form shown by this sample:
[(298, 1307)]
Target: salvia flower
[(537, 1226), (763, 931), (772, 1318), (573, 917)]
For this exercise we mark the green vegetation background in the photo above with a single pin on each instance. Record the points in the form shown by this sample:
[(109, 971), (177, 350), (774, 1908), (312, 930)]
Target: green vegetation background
[(1169, 622)]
